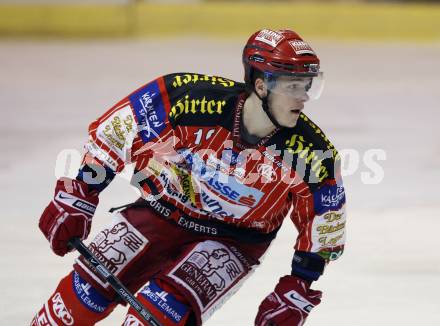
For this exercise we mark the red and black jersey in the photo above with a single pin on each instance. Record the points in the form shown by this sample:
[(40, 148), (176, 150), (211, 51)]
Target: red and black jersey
[(182, 132)]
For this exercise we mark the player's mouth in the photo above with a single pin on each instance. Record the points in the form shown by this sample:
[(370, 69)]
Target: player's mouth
[(297, 107)]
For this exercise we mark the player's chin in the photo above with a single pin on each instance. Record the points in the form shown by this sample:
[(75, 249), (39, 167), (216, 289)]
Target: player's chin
[(289, 123)]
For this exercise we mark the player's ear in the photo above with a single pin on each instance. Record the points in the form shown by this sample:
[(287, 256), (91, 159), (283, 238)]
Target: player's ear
[(260, 87)]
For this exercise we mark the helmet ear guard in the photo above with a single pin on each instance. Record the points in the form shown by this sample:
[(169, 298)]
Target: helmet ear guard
[(269, 79)]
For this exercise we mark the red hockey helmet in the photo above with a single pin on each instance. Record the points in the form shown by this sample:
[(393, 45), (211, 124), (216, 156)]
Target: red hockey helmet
[(282, 52)]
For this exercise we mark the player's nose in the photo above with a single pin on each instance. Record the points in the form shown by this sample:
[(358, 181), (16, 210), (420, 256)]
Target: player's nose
[(304, 97)]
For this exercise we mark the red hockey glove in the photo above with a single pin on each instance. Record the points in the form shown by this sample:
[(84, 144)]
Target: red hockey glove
[(69, 214), (289, 304)]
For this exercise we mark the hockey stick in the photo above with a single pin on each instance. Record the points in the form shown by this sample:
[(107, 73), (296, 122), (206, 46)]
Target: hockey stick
[(120, 289)]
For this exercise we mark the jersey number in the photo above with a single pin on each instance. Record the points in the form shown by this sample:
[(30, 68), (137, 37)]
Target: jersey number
[(199, 135)]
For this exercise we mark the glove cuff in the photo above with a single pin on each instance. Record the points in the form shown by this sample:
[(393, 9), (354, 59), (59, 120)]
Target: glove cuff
[(307, 265)]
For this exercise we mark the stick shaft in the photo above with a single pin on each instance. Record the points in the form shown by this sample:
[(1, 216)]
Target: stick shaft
[(114, 282)]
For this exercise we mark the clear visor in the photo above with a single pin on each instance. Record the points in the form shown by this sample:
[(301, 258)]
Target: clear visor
[(304, 88)]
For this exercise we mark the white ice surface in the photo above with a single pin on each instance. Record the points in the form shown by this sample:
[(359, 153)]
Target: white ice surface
[(377, 96)]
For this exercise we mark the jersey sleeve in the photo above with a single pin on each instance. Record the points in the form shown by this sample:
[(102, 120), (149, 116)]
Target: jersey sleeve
[(127, 131), (319, 214)]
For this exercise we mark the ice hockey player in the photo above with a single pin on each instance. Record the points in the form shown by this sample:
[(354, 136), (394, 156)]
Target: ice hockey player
[(219, 165)]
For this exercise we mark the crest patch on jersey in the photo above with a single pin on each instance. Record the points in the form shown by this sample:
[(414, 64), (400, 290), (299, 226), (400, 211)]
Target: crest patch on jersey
[(208, 272), (115, 247)]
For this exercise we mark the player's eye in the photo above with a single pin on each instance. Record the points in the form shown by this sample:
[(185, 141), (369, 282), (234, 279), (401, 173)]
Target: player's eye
[(293, 86)]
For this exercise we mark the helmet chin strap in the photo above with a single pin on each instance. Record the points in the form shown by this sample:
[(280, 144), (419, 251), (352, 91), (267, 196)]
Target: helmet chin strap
[(265, 102)]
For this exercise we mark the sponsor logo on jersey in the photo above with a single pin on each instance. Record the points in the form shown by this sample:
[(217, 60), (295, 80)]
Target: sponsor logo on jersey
[(319, 132), (258, 224), (301, 47), (228, 192), (208, 205), (172, 189), (331, 255), (328, 228), (60, 310), (269, 37), (199, 186), (118, 130), (101, 154), (332, 241), (88, 295), (226, 168), (220, 183), (189, 105), (275, 161), (185, 79), (330, 218), (186, 184), (157, 206), (231, 157), (150, 111), (208, 271), (215, 207), (197, 227), (297, 146), (42, 319), (267, 172), (164, 302), (329, 198)]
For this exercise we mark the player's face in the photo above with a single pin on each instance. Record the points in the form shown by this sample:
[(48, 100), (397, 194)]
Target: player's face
[(287, 99)]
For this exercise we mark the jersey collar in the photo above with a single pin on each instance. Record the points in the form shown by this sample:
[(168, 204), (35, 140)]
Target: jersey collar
[(238, 124)]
